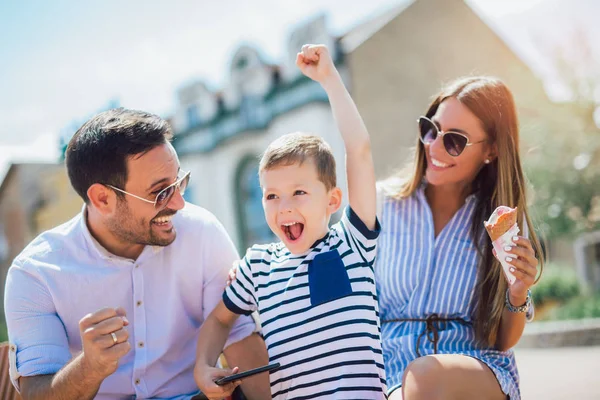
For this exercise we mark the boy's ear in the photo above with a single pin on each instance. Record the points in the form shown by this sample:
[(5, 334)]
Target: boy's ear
[(335, 200)]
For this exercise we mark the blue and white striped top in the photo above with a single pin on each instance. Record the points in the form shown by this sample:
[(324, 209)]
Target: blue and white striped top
[(319, 313), (419, 275)]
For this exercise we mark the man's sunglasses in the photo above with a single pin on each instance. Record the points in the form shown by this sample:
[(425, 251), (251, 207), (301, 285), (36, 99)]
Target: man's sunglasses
[(454, 142), (164, 196)]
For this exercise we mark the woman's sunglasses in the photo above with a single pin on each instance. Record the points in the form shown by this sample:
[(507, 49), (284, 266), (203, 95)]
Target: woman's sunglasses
[(164, 196), (454, 142)]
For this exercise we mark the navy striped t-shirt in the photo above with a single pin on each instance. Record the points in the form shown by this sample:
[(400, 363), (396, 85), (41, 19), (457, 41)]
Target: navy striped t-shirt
[(319, 313)]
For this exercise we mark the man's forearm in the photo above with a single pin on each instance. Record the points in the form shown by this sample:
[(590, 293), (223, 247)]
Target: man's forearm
[(72, 382)]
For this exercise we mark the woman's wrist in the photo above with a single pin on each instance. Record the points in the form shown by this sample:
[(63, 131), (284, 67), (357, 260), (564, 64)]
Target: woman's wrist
[(517, 304), (517, 300)]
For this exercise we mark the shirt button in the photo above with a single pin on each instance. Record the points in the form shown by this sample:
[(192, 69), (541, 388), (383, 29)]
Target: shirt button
[(137, 265), (141, 344), (137, 381), (139, 303)]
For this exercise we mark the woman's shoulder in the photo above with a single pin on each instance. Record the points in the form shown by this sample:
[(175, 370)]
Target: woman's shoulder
[(394, 189), (388, 188), (392, 197)]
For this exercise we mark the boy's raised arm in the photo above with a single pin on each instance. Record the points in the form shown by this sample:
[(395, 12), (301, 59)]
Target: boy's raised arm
[(315, 62)]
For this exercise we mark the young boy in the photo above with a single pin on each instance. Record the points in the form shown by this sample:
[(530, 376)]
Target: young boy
[(314, 290)]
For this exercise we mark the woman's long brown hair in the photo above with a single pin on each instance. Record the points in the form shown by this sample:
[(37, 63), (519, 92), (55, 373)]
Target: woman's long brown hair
[(501, 182)]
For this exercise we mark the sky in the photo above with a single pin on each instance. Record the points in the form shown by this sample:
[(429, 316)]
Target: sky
[(62, 61)]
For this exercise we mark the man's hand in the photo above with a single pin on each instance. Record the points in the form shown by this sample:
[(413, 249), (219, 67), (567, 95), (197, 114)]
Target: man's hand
[(315, 62), (206, 376), (104, 340)]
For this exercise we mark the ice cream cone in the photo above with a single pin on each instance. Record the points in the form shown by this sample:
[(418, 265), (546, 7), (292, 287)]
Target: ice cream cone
[(504, 221)]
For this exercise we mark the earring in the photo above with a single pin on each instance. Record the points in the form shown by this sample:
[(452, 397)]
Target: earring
[(487, 161)]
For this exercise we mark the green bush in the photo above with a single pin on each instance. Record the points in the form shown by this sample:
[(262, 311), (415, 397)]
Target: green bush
[(578, 308), (558, 283)]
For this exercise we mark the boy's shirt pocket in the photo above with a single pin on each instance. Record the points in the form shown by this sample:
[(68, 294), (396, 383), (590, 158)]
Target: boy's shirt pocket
[(327, 278)]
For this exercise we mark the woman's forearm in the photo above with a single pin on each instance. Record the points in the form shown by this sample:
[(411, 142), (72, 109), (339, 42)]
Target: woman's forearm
[(511, 326)]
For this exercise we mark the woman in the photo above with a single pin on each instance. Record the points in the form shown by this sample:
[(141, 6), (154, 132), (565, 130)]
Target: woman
[(448, 315)]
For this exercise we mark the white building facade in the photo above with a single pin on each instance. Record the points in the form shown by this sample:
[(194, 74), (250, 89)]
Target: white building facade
[(220, 136)]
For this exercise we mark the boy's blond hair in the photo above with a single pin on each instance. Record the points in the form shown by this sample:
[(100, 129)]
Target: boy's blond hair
[(297, 148)]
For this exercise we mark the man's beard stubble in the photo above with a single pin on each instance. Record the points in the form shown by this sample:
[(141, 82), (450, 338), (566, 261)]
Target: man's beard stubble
[(127, 229)]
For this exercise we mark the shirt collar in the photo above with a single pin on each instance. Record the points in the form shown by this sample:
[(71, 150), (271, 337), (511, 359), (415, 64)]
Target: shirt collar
[(421, 193)]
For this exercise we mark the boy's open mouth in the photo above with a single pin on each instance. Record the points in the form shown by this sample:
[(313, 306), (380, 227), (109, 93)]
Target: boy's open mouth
[(292, 230)]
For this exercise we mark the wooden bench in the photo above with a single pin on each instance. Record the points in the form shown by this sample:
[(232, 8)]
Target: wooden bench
[(7, 390)]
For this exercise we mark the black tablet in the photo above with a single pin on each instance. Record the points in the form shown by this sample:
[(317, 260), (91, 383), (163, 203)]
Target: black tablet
[(245, 374)]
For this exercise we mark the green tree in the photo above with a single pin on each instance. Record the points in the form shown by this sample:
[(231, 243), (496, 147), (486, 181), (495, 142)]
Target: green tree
[(565, 172)]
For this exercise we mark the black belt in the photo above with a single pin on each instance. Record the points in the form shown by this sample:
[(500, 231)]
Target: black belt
[(432, 325)]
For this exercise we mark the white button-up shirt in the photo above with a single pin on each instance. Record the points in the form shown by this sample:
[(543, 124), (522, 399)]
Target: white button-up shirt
[(167, 292)]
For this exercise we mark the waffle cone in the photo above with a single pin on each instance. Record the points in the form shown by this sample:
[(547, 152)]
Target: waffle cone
[(504, 223)]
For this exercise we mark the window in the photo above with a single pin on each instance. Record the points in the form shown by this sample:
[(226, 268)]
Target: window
[(193, 117), (188, 196), (252, 226), (249, 111), (241, 63)]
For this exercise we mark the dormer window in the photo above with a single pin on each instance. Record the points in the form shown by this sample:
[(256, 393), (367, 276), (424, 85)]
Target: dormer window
[(252, 225), (192, 115), (241, 63)]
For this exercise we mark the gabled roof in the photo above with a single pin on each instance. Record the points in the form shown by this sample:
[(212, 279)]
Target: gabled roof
[(361, 33)]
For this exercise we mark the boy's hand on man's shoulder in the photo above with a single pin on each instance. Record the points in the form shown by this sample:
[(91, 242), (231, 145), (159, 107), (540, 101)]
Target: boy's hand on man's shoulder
[(232, 274), (316, 62)]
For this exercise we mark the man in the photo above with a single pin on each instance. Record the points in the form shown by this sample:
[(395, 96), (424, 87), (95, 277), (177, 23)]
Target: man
[(109, 304)]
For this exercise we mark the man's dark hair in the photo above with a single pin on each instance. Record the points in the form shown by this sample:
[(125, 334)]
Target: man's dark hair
[(99, 150)]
